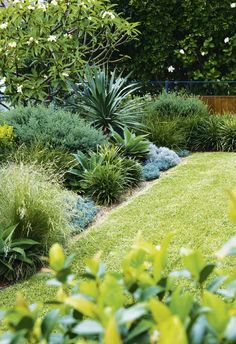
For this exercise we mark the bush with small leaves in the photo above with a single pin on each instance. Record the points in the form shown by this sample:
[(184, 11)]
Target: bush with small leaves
[(173, 104), (82, 214), (54, 127), (151, 170), (164, 157)]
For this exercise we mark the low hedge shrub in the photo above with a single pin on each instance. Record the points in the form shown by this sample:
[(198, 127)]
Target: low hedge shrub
[(178, 104), (54, 127)]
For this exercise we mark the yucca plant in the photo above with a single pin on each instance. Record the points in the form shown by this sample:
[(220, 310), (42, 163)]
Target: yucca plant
[(105, 100), (131, 145), (19, 258)]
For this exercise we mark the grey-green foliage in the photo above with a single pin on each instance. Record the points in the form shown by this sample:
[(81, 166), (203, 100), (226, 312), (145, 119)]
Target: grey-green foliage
[(34, 200), (54, 127)]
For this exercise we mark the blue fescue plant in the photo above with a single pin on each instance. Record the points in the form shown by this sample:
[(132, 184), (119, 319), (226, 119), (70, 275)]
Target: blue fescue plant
[(83, 214), (164, 157), (151, 170)]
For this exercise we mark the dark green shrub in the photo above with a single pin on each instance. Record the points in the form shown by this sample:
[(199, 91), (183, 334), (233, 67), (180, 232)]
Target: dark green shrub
[(205, 133), (132, 172), (174, 104), (104, 184), (57, 128), (105, 100), (130, 144), (94, 170), (33, 201), (167, 132), (228, 133)]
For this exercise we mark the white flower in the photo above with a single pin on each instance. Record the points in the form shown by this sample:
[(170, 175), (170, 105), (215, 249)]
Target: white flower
[(226, 40), (19, 88), (158, 247), (203, 53), (182, 51), (12, 44), (171, 69), (65, 74), (42, 6), (2, 81), (52, 38), (30, 40), (233, 5), (30, 7), (54, 3), (108, 14), (68, 35), (4, 25)]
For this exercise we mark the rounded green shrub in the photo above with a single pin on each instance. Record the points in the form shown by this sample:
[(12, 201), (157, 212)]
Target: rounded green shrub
[(132, 171), (33, 201), (167, 132), (178, 104), (104, 184), (228, 133), (54, 127), (205, 133)]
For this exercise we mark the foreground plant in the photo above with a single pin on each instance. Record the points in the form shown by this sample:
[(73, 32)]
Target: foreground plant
[(141, 304)]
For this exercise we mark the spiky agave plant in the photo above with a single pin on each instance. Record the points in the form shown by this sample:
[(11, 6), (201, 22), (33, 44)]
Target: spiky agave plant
[(105, 99)]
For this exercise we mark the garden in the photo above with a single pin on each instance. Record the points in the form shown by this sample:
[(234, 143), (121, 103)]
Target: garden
[(117, 202)]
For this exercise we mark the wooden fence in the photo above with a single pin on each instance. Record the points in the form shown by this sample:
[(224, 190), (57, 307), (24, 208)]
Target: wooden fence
[(220, 104)]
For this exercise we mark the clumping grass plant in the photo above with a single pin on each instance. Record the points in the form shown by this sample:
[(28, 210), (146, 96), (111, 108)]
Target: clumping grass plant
[(35, 201)]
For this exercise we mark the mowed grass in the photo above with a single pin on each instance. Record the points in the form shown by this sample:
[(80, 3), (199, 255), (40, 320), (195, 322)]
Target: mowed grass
[(190, 199)]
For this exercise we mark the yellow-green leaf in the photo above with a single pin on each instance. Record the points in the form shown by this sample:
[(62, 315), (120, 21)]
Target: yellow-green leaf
[(56, 257), (112, 335)]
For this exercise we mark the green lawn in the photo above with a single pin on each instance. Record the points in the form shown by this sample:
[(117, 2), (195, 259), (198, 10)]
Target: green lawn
[(190, 199)]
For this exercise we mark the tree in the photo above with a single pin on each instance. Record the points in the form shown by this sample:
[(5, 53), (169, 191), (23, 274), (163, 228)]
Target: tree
[(44, 45)]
